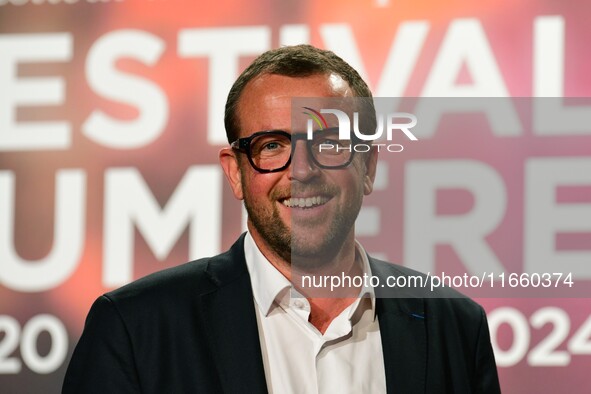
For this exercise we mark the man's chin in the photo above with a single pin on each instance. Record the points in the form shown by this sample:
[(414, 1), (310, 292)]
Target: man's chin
[(309, 249)]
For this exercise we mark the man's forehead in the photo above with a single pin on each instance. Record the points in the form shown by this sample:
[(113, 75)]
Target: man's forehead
[(266, 100)]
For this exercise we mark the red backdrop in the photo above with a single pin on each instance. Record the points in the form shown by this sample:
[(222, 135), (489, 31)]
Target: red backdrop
[(110, 124)]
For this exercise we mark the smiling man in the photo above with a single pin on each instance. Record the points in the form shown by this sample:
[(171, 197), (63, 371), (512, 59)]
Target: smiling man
[(242, 322)]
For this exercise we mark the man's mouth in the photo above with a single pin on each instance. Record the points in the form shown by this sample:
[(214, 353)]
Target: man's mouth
[(304, 202)]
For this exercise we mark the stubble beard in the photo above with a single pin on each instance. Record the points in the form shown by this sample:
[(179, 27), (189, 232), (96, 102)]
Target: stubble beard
[(270, 226), (293, 246)]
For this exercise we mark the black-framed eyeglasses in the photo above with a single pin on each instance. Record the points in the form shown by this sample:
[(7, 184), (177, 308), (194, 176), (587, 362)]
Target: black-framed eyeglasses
[(271, 151)]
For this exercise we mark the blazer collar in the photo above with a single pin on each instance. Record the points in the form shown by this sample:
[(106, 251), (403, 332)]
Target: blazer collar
[(403, 330), (230, 319)]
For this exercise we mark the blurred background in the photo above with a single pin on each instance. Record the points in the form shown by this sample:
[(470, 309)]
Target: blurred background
[(111, 118)]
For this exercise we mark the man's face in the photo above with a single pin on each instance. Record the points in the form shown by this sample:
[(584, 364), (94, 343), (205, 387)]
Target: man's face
[(303, 211)]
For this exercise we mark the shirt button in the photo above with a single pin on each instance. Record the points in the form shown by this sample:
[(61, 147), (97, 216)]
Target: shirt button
[(299, 304)]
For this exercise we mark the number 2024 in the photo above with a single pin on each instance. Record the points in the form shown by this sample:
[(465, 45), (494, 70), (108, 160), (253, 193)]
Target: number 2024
[(546, 352)]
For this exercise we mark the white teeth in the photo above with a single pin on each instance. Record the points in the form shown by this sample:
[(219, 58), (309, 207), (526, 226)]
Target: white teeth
[(304, 202)]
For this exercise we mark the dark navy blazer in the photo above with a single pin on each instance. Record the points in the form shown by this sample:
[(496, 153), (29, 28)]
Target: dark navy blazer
[(193, 329)]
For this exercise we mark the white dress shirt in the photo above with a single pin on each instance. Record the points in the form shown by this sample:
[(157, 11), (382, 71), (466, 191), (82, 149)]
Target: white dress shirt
[(297, 357)]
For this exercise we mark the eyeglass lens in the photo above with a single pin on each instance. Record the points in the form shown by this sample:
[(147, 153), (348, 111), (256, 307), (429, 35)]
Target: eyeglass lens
[(272, 150)]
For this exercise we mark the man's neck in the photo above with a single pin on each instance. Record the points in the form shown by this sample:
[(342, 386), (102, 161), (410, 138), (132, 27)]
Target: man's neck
[(330, 301), (324, 310), (326, 301)]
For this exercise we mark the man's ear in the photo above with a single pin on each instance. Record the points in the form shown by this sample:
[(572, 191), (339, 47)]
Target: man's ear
[(229, 163), (371, 163)]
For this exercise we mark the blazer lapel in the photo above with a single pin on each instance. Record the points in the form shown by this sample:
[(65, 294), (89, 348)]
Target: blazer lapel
[(404, 339), (229, 314)]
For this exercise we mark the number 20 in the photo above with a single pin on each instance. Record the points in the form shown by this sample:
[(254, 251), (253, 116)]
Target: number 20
[(28, 344)]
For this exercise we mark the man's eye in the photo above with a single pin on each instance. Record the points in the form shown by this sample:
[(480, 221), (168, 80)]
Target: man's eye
[(271, 146), (330, 141)]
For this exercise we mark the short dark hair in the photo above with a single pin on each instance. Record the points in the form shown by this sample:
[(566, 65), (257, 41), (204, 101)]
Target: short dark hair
[(290, 61)]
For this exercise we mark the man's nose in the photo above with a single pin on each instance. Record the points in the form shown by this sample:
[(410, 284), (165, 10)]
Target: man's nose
[(302, 165)]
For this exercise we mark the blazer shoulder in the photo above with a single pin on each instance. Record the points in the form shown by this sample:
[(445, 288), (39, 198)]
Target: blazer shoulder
[(191, 275), (184, 281)]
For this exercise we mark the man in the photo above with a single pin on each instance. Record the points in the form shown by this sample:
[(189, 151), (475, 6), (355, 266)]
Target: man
[(243, 322)]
